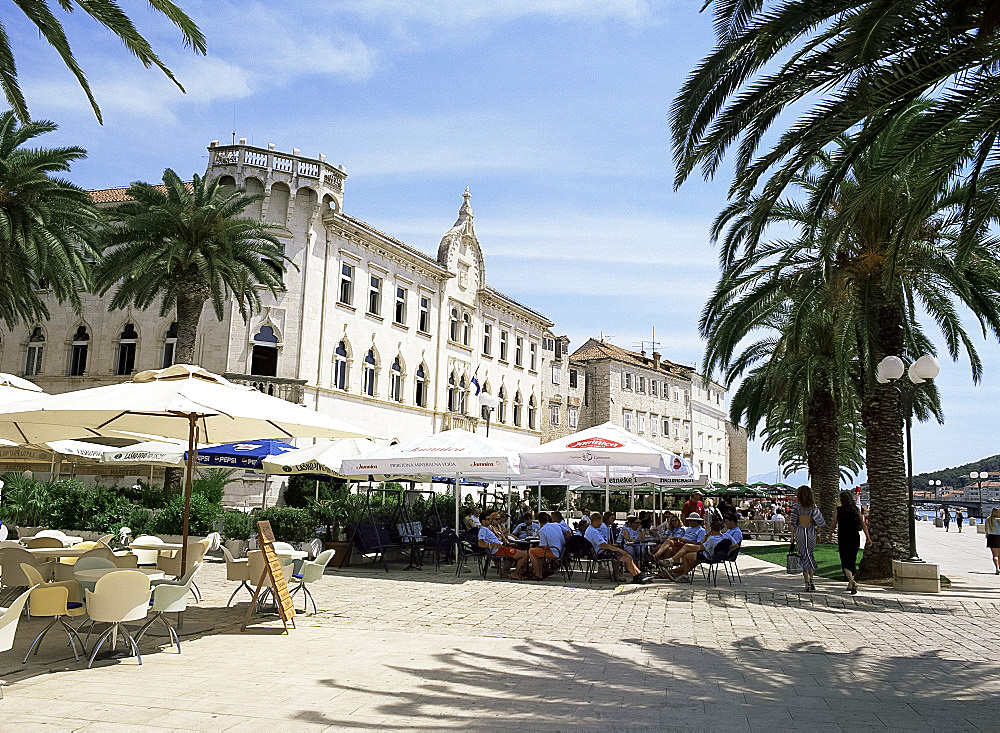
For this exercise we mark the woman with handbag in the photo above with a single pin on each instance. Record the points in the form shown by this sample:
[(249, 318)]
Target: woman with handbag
[(993, 537), (805, 517), (850, 523)]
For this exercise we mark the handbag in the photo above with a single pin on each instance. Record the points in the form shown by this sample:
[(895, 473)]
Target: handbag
[(792, 564)]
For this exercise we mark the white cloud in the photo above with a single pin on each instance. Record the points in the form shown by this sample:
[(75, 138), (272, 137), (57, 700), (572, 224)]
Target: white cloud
[(459, 12)]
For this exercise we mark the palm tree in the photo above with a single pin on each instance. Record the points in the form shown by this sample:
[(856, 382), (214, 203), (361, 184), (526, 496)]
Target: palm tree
[(186, 245), (108, 14), (48, 226), (796, 375), (849, 62), (892, 256)]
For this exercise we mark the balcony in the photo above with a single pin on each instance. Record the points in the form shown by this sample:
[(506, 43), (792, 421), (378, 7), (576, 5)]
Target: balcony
[(291, 390), (271, 160), (455, 420)]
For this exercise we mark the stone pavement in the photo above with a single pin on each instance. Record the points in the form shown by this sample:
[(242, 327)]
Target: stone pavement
[(424, 649)]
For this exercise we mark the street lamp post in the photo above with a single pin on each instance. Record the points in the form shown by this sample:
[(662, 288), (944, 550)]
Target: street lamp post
[(979, 476), (490, 403), (923, 369), (935, 484)]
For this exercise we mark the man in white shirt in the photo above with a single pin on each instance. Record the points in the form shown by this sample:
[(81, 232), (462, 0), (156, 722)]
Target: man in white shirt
[(551, 542), (494, 545), (605, 550)]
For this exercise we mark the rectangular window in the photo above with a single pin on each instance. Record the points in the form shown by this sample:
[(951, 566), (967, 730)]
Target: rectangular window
[(652, 387), (169, 348), (375, 296), (701, 440), (347, 284), (641, 422), (555, 414), (78, 360), (641, 384), (687, 430), (654, 424), (425, 315), (556, 373), (627, 419), (574, 416), (503, 345), (666, 427), (33, 362), (126, 358), (532, 356), (629, 381), (677, 394), (687, 397), (558, 349), (624, 380), (399, 316), (548, 344), (677, 429), (487, 338), (518, 349)]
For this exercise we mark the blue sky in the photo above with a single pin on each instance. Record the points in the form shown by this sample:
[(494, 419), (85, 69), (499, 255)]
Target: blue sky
[(553, 112)]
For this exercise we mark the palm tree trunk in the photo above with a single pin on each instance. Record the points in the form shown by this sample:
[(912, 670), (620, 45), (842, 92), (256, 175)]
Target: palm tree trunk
[(190, 303), (881, 413), (823, 450)]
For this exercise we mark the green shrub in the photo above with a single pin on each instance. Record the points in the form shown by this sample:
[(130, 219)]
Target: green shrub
[(290, 524), (301, 490), (212, 482), (201, 519), (25, 501), (237, 525)]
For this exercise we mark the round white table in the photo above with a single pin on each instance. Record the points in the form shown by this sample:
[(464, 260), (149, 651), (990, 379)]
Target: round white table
[(67, 540), (292, 554), (94, 574), (156, 546), (52, 552)]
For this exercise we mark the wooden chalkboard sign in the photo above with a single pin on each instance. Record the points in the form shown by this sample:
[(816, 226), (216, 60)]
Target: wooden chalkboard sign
[(272, 572)]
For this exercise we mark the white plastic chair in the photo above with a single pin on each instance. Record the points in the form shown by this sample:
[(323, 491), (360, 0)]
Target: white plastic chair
[(169, 597), (57, 534), (66, 565), (255, 563), (119, 597), (53, 600), (147, 557), (239, 570), (105, 539), (3, 531), (90, 563), (8, 625), (311, 572)]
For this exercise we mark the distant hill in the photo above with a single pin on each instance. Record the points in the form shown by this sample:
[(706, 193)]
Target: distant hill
[(959, 475)]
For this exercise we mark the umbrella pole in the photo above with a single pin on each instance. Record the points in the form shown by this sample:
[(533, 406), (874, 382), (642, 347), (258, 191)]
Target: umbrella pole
[(457, 501), (192, 444), (607, 489), (539, 496)]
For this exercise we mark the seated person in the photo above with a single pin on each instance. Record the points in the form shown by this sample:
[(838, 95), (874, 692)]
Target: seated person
[(606, 550), (608, 528), (632, 534), (551, 542), (582, 525), (557, 518), (777, 516), (489, 539), (733, 532), (693, 553), (667, 529), (693, 533), (471, 520), (528, 526)]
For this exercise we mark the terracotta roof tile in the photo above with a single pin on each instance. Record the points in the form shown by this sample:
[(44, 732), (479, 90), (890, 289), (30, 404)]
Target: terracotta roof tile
[(594, 350), (120, 194)]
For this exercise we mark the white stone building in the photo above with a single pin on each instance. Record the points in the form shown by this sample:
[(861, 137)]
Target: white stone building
[(709, 440), (370, 329)]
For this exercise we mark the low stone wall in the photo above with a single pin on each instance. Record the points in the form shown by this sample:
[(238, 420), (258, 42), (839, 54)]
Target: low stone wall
[(915, 577)]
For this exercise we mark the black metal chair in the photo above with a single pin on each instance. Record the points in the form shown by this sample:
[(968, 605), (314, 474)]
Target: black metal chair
[(580, 550), (710, 563), (731, 561)]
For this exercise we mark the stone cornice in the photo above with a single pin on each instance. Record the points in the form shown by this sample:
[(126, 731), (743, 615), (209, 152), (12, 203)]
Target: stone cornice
[(385, 247)]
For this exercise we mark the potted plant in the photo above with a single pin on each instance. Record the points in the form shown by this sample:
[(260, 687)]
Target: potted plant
[(334, 516), (237, 528)]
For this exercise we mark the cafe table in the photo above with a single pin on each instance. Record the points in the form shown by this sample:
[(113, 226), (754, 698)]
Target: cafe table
[(155, 546), (48, 553), (67, 540)]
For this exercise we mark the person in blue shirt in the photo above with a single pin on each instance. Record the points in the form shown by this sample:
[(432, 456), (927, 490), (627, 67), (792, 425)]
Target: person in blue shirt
[(632, 534), (528, 526), (693, 533), (557, 518), (551, 542), (489, 539), (604, 549), (733, 531), (690, 555), (608, 528)]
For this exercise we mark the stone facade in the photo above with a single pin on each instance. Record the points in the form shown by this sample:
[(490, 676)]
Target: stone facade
[(737, 441), (664, 402), (369, 329), (562, 389)]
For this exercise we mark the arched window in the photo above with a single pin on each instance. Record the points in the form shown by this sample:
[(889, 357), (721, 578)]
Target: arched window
[(78, 352), (531, 412), (453, 330), (466, 329), (463, 395), (452, 393), (33, 358), (484, 411), (127, 341), (420, 387), (340, 366), (169, 346), (264, 361), (396, 380), (518, 404), (502, 407), (369, 374)]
